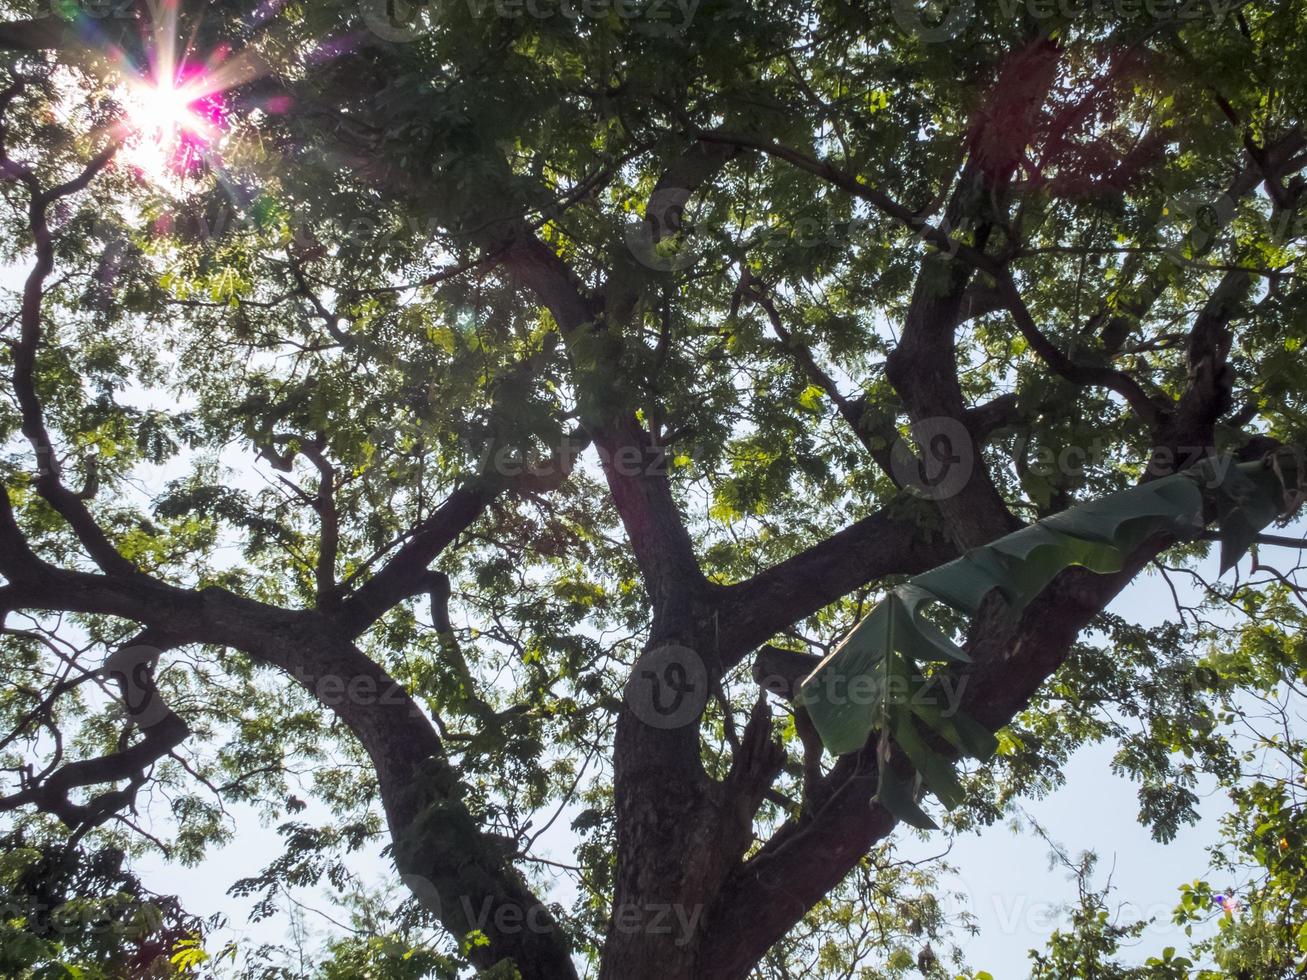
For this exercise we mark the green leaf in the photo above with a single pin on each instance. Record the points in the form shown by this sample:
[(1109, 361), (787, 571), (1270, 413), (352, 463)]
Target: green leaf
[(853, 691), (849, 699), (978, 741), (960, 730), (896, 796), (1244, 510), (934, 768)]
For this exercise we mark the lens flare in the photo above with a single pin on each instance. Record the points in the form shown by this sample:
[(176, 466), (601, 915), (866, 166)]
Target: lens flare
[(175, 113), (172, 125)]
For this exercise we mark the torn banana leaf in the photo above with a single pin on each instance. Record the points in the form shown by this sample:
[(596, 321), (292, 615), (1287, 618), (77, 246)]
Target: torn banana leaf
[(874, 680)]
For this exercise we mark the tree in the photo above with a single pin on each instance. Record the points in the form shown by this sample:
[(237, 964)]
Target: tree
[(493, 415)]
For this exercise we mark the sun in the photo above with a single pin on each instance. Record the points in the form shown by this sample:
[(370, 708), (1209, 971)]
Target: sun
[(175, 107), (171, 125)]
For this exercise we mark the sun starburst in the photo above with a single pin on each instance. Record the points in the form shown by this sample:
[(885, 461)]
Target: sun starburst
[(172, 125), (175, 110)]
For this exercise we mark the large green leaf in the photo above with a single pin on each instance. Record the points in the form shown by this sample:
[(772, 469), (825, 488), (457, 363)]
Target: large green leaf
[(878, 678), (899, 797), (1245, 508)]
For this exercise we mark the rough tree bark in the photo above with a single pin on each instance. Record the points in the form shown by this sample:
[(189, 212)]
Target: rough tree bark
[(684, 839)]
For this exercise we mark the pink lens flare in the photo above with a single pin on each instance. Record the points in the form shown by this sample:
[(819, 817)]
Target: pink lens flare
[(1229, 904), (173, 124), (175, 110)]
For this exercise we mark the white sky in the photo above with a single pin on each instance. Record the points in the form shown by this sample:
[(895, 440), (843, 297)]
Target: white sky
[(1018, 900), (1014, 894)]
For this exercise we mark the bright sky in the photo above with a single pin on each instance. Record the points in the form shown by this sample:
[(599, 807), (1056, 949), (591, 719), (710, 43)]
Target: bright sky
[(1015, 895), (1017, 899)]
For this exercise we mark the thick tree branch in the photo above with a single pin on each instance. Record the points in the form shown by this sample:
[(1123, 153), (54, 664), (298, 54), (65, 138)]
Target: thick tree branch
[(1148, 411), (1013, 655), (923, 366), (328, 593), (1208, 393), (633, 464), (439, 846), (67, 503), (923, 370), (780, 672), (636, 469), (809, 856), (866, 551), (162, 730), (988, 417), (405, 575)]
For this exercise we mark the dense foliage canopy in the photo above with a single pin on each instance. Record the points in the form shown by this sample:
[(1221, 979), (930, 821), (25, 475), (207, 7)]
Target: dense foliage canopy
[(452, 428)]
